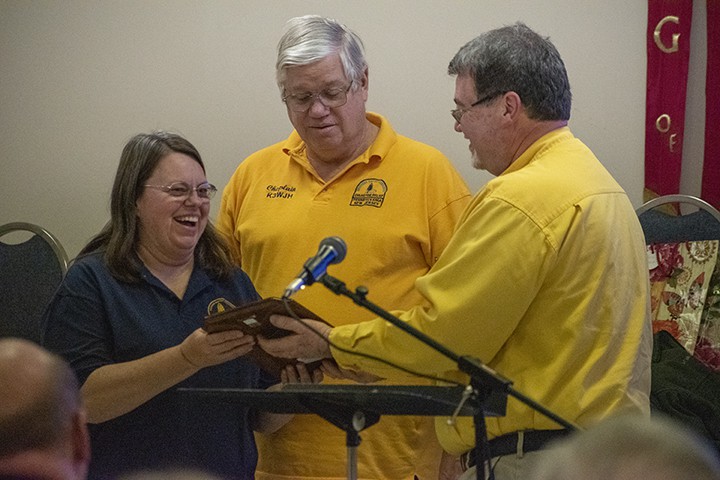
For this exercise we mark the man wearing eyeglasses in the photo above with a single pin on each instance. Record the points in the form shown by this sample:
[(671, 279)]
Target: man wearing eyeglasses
[(342, 171), (545, 278)]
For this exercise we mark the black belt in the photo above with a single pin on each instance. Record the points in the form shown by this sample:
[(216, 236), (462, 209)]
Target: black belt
[(509, 444)]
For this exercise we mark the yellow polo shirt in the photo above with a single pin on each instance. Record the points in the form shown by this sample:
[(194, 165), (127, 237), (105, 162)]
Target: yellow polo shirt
[(395, 206)]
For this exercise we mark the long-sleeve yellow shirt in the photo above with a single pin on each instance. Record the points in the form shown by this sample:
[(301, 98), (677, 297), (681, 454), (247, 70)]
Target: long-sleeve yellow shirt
[(545, 280)]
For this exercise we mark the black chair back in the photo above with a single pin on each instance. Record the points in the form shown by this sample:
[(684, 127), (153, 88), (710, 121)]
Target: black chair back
[(662, 227), (30, 272)]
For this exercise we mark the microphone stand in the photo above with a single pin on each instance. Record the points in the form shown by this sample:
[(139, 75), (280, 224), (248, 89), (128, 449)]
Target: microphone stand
[(483, 380)]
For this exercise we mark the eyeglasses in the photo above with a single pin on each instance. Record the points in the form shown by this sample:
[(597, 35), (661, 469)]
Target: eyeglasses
[(182, 190), (458, 113), (330, 97)]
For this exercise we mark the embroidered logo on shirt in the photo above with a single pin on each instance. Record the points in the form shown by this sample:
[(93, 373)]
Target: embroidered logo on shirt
[(219, 305), (280, 191), (369, 193)]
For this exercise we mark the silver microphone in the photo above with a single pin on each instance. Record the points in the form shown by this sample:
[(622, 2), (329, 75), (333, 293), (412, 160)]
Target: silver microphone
[(331, 250)]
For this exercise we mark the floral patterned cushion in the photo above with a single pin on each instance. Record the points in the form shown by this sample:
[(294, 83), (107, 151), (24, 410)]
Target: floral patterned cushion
[(685, 295)]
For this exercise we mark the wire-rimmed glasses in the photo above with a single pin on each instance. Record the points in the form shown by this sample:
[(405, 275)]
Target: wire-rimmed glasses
[(330, 97), (205, 191)]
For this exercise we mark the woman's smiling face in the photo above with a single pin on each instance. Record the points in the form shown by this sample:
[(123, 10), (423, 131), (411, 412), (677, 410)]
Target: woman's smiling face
[(170, 227)]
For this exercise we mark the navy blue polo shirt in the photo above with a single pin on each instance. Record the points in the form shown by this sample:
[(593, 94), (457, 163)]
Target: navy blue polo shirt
[(95, 320)]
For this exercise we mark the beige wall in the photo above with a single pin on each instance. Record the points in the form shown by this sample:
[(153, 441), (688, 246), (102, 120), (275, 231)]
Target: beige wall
[(78, 78)]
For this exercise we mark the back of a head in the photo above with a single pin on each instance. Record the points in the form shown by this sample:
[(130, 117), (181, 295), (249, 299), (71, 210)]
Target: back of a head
[(170, 474), (631, 447), (311, 38), (40, 397), (515, 58)]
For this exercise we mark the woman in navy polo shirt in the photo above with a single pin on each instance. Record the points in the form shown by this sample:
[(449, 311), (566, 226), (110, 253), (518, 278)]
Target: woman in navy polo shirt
[(128, 314)]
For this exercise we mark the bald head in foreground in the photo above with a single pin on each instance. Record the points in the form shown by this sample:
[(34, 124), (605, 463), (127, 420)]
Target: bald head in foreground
[(628, 448), (43, 433)]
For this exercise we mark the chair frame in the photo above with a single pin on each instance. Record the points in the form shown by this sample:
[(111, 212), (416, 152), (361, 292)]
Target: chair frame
[(44, 234), (679, 198)]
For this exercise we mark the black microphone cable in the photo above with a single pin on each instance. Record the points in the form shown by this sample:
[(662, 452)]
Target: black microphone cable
[(293, 315)]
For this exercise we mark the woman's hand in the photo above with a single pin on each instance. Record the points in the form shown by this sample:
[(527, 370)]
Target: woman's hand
[(298, 373), (267, 422), (115, 389), (202, 349)]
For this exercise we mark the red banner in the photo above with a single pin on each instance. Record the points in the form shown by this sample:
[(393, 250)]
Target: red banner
[(668, 54), (711, 163)]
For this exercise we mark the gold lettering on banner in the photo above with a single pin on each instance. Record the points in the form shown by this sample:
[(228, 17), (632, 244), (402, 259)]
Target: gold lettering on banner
[(675, 37), (663, 123)]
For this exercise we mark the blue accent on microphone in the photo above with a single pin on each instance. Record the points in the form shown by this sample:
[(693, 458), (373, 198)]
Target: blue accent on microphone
[(332, 250)]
